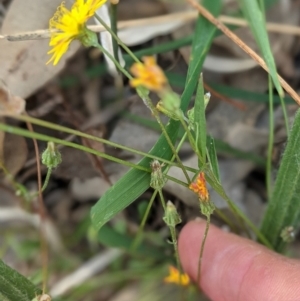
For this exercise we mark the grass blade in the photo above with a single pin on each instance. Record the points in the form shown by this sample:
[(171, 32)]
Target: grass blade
[(200, 122), (284, 207), (14, 286), (212, 155), (256, 20)]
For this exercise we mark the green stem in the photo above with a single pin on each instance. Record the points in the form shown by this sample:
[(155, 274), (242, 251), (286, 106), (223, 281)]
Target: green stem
[(118, 65), (202, 248), (117, 39), (149, 104), (114, 28), (162, 199), (271, 140), (28, 134), (87, 136), (137, 240), (260, 236), (174, 241), (49, 171)]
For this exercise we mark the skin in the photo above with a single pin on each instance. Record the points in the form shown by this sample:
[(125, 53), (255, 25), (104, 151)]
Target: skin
[(237, 269)]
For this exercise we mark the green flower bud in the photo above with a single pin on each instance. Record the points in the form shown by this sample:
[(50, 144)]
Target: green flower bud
[(207, 208), (191, 112), (175, 115), (51, 157), (171, 218), (88, 38), (158, 179), (206, 99), (288, 234)]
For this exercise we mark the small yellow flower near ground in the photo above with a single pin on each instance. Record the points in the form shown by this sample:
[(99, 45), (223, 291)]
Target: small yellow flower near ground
[(148, 75), (199, 187), (70, 25), (176, 277)]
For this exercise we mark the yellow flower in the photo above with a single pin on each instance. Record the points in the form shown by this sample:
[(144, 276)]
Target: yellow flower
[(176, 277), (148, 75), (199, 187), (68, 25)]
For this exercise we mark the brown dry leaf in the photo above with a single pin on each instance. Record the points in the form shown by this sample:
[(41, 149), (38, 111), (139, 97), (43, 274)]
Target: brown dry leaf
[(23, 63), (15, 153), (12, 157), (10, 104)]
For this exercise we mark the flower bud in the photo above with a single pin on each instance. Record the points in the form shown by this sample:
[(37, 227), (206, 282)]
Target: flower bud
[(171, 218), (288, 234), (88, 38), (51, 157), (175, 115), (158, 179)]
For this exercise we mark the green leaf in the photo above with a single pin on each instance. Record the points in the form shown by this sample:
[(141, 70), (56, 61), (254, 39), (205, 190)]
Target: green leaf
[(200, 122), (283, 209), (14, 286), (135, 182), (256, 20), (212, 155)]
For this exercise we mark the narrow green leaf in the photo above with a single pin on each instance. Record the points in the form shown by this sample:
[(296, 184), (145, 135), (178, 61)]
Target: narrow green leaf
[(199, 118), (135, 182), (212, 156), (14, 286), (284, 207), (256, 20)]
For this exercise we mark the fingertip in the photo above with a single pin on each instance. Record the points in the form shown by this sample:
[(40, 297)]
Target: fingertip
[(232, 266)]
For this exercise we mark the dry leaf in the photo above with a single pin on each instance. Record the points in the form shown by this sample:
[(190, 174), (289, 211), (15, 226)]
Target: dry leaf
[(15, 153), (10, 104), (23, 63)]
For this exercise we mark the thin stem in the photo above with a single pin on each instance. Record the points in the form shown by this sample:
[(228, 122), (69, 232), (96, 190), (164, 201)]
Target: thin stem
[(143, 223), (42, 212), (114, 28), (176, 180), (101, 140), (149, 104), (118, 65), (202, 249), (162, 199), (25, 133), (271, 140), (49, 171), (137, 240), (174, 241), (117, 39)]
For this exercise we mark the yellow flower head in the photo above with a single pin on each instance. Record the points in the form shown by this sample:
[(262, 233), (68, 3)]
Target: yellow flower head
[(176, 277), (68, 25), (199, 187), (148, 75)]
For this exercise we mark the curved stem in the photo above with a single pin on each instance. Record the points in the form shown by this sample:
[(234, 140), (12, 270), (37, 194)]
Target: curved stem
[(49, 171)]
